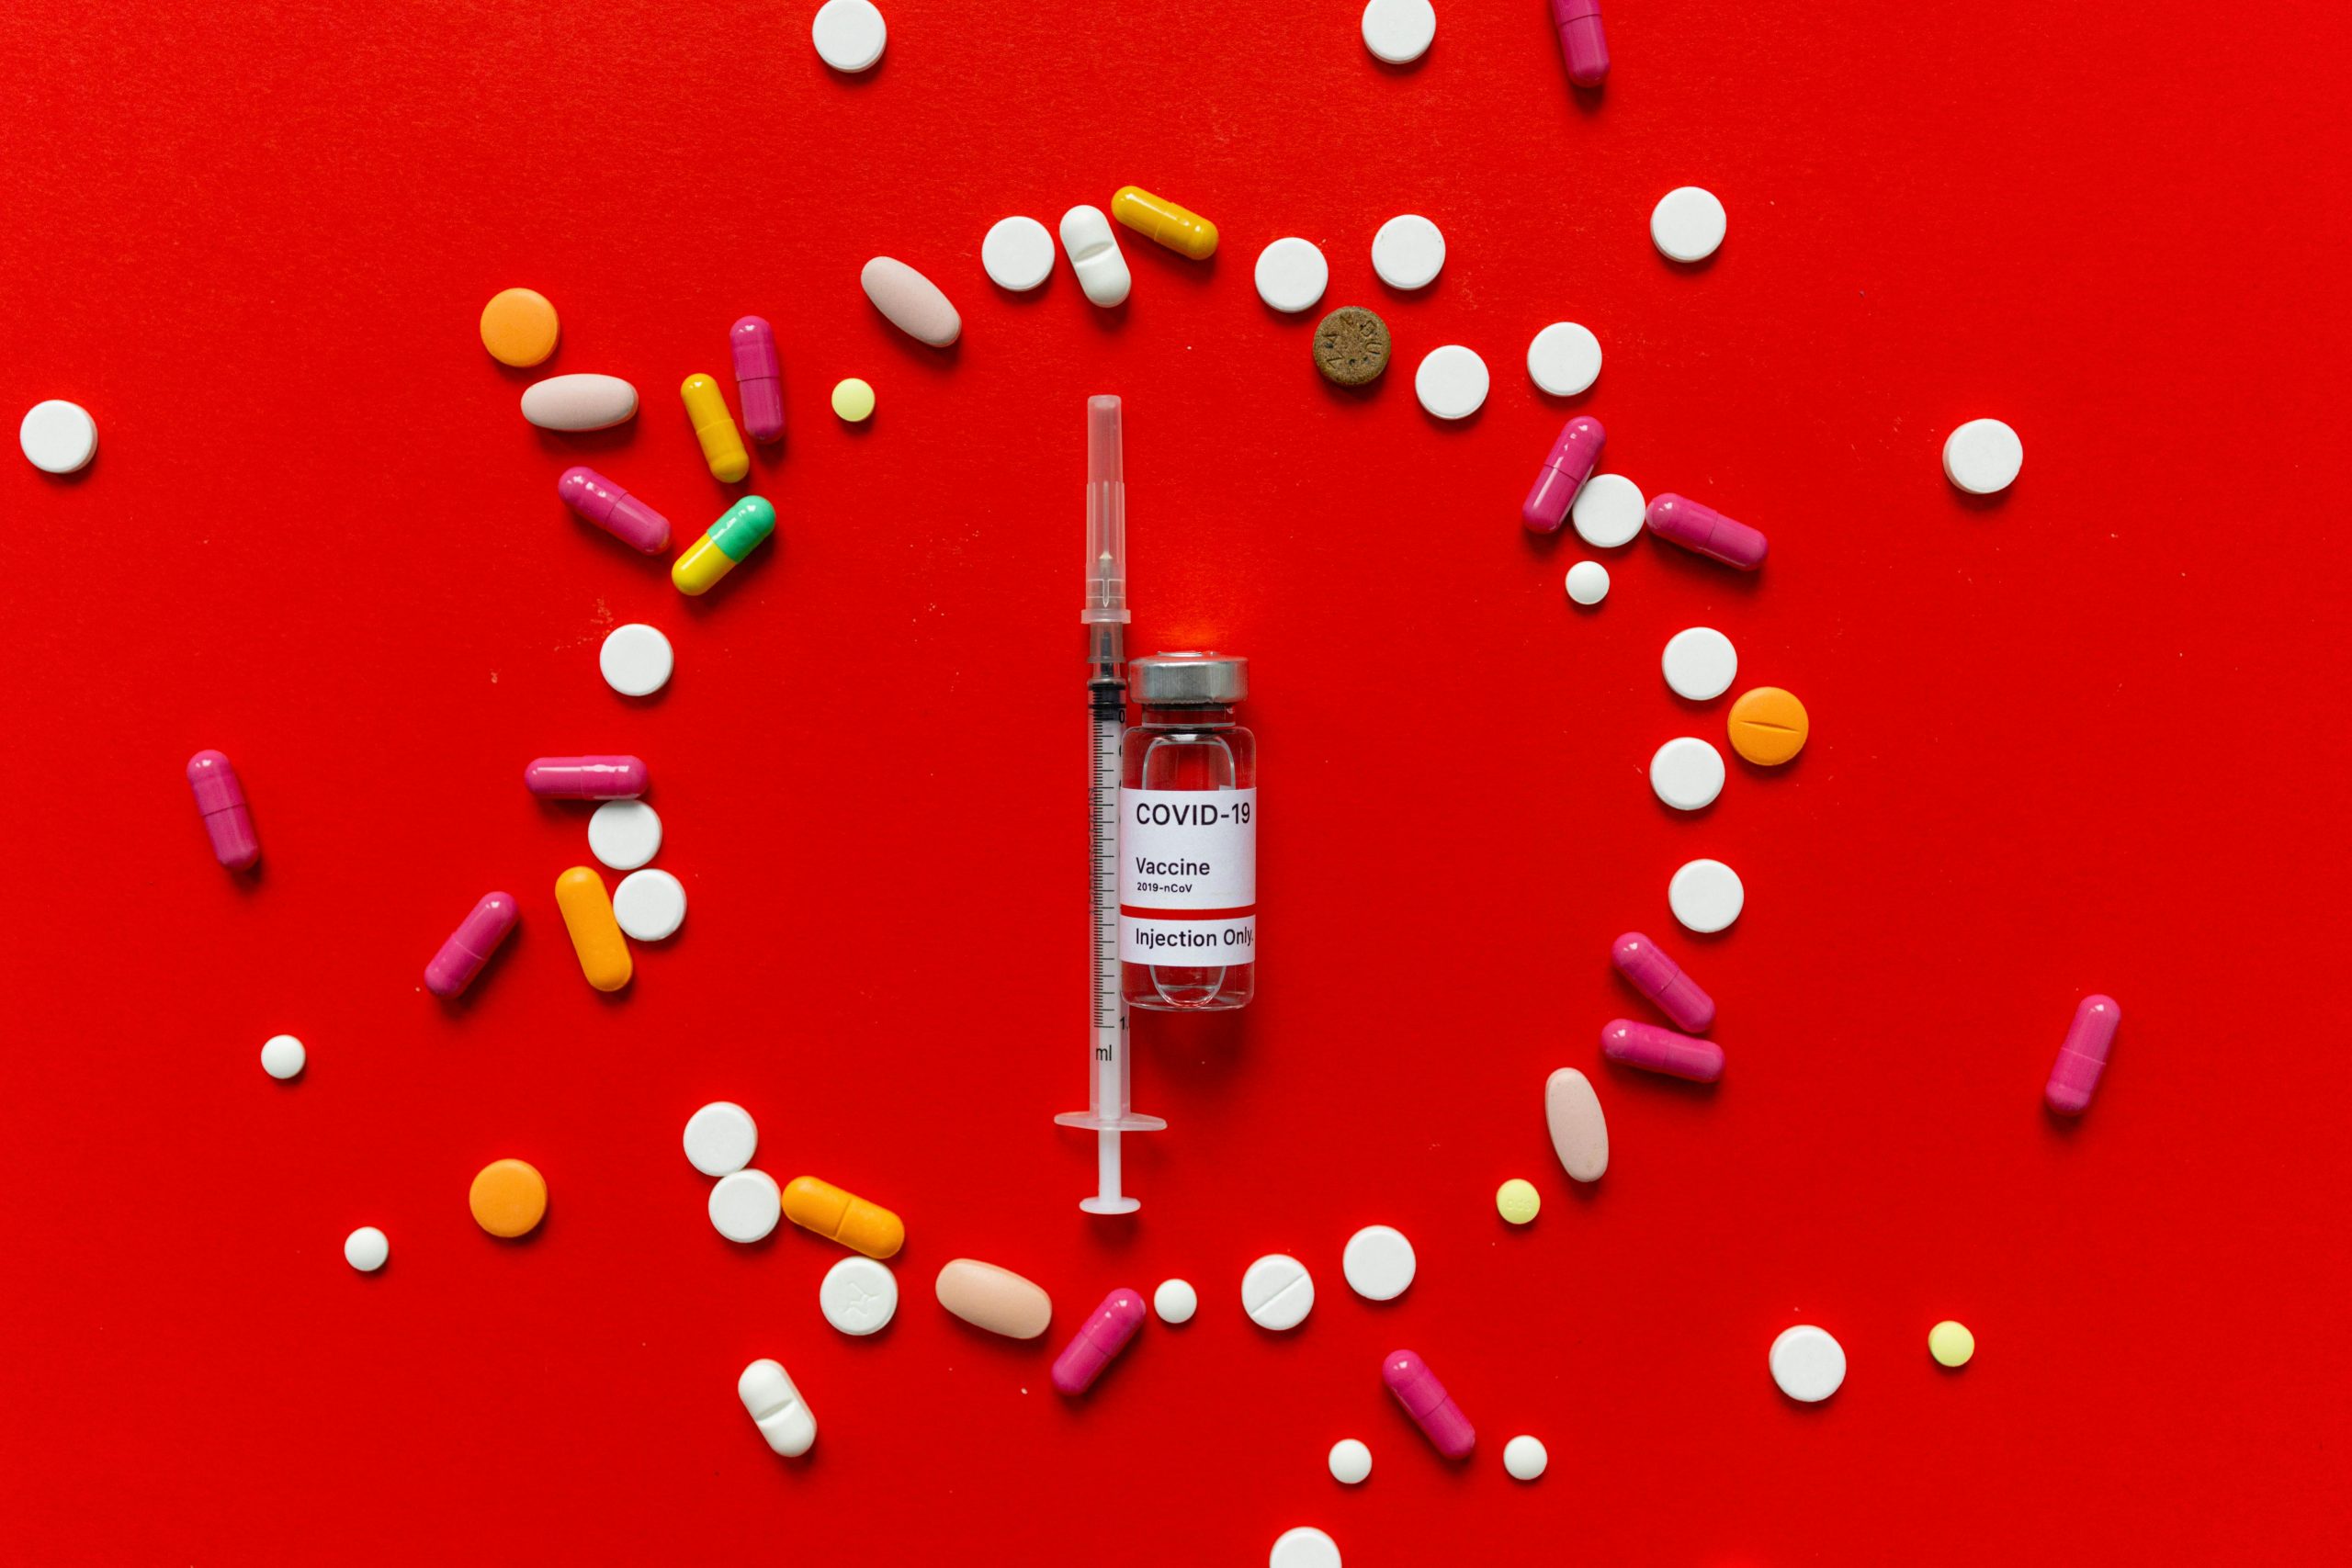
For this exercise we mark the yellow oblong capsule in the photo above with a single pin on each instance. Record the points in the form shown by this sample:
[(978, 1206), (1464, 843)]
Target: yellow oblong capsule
[(722, 444), (844, 1217), (1181, 228), (595, 935)]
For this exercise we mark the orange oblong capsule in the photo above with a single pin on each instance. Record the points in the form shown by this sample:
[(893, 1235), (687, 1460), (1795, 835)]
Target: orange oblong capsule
[(595, 935), (1181, 228), (844, 1217)]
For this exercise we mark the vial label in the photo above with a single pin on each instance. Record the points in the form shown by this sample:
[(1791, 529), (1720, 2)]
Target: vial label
[(1188, 876)]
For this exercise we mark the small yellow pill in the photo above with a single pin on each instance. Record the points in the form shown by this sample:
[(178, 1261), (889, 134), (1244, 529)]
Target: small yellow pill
[(1768, 726), (1950, 1343), (1179, 229), (509, 1198), (722, 444), (844, 1217), (1516, 1201), (518, 327), (595, 935), (853, 400)]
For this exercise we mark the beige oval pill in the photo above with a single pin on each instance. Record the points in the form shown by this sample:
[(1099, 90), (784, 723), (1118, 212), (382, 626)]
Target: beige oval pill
[(911, 302), (995, 1299), (1580, 1133), (578, 402)]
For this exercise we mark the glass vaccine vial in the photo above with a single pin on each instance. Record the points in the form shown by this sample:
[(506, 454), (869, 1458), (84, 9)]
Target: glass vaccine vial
[(1188, 837)]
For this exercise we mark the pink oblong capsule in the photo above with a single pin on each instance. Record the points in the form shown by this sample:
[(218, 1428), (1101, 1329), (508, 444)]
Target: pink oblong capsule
[(613, 510), (759, 383), (1661, 1050), (1706, 531), (1425, 1400), (585, 778), (1104, 1334), (469, 946), (1582, 43), (221, 801), (1563, 473), (1662, 980), (2081, 1056)]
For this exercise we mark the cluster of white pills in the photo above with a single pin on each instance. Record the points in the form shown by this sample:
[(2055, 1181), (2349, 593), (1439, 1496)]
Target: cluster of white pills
[(745, 1204)]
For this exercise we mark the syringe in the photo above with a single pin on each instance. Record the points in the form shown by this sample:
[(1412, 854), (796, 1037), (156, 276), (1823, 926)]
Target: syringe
[(1105, 618)]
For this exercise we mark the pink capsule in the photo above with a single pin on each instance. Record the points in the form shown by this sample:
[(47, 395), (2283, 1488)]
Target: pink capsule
[(469, 946), (222, 799), (1104, 1334), (2081, 1056), (1662, 980), (1661, 1050), (1582, 44), (1707, 531), (1425, 1400), (759, 384), (585, 778), (613, 510), (1563, 473)]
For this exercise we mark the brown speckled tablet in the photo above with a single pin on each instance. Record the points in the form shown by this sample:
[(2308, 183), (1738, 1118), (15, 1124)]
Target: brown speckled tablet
[(1352, 346)]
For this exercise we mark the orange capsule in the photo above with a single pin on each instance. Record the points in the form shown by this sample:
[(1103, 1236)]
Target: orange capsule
[(844, 1217), (595, 934), (1179, 229)]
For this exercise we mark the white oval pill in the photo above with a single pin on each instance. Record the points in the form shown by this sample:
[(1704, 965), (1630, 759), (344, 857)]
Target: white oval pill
[(1452, 381), (282, 1055), (1277, 1292), (1608, 511), (1807, 1363), (1018, 253), (636, 659), (1588, 582), (58, 438), (1525, 1457), (911, 303), (1700, 663), (1688, 223), (1687, 772), (1378, 1262), (1564, 358), (1983, 456), (578, 402), (849, 34), (1580, 1133), (1399, 31), (623, 834), (367, 1248), (1305, 1546), (1705, 896), (858, 1296), (745, 1205), (784, 1418), (1292, 274), (1094, 255), (1408, 252), (1175, 1301), (1351, 1462), (650, 904), (721, 1138)]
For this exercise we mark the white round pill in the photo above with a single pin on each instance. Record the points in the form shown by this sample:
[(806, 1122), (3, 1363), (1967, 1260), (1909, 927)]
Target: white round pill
[(1983, 456), (636, 659), (1277, 1292), (1525, 1457), (1018, 253), (1378, 1262), (721, 1138), (1399, 31), (366, 1249), (623, 834), (858, 1296), (1292, 274), (1564, 358), (1351, 1462), (745, 1205), (1588, 582), (1807, 1363), (650, 904), (1687, 772), (1688, 223), (58, 438), (1305, 1546), (1408, 250), (849, 34), (1705, 896), (1700, 663), (1607, 511), (1175, 1301), (282, 1055), (1452, 381)]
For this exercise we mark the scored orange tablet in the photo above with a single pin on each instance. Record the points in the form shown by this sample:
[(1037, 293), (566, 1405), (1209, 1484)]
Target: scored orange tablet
[(1768, 726)]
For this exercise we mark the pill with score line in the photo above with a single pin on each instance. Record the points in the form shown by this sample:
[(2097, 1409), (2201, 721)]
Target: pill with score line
[(616, 777), (613, 509), (758, 377), (2081, 1056), (1425, 1400), (467, 949), (1277, 1292), (1097, 1341), (1095, 257), (1656, 1050), (221, 801), (596, 937), (844, 1217), (775, 1406), (1661, 980)]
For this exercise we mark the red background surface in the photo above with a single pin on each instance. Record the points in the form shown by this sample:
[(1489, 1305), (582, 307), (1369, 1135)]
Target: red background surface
[(2089, 736)]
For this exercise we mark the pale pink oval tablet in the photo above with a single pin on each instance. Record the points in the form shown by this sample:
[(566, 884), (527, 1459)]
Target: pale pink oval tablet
[(911, 302), (578, 402), (1580, 1133), (995, 1299)]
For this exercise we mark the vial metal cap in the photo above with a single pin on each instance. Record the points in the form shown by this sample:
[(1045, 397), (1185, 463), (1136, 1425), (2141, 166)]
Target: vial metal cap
[(1174, 679)]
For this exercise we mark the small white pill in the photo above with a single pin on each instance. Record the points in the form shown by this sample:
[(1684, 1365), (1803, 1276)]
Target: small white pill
[(784, 1418), (58, 438), (623, 834), (1305, 1546), (1277, 1292), (1018, 253), (282, 1055), (1378, 1262), (858, 1296), (366, 1249), (1399, 31), (1983, 456), (1175, 1301), (1807, 1363), (650, 904), (1688, 223), (1351, 1462), (1588, 582), (1687, 772), (849, 34), (745, 1205), (1700, 663), (1408, 252), (1564, 358), (636, 660), (1525, 1457), (1705, 896), (1292, 274), (1094, 255), (1452, 381), (721, 1138)]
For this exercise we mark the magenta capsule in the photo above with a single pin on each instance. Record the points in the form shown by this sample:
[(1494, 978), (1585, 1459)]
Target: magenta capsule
[(1707, 531), (1563, 473), (1582, 44), (222, 799), (585, 778), (1104, 1334), (613, 510), (1425, 1400), (1662, 980), (2081, 1056), (759, 383), (1661, 1050), (469, 946)]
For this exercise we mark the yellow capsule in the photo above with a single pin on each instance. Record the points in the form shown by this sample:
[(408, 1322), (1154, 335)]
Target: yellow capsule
[(722, 444), (1179, 228), (595, 935), (844, 1217)]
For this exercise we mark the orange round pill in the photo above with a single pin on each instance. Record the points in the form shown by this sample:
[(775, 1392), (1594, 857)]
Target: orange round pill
[(509, 1198), (518, 327), (1768, 726)]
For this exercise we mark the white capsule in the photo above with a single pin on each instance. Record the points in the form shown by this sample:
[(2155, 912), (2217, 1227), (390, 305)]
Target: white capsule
[(1094, 255), (784, 1418)]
